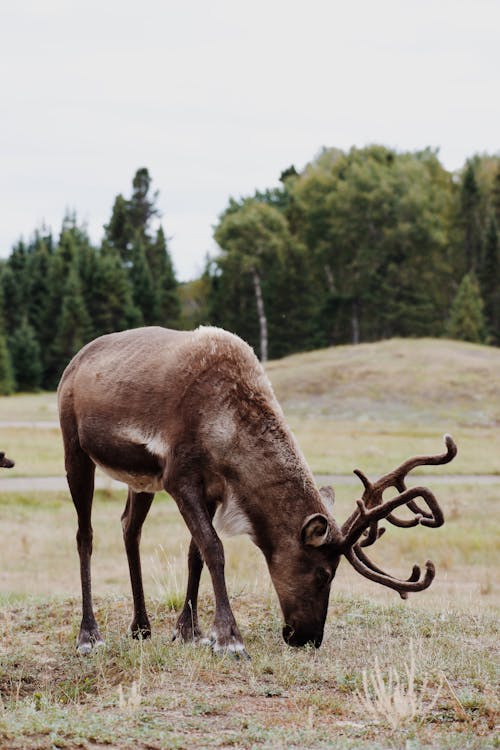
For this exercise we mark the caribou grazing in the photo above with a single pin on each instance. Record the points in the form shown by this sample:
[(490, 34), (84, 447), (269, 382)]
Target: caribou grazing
[(194, 413), (5, 462)]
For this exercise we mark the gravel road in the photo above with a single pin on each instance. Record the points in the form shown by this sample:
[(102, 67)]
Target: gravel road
[(55, 484)]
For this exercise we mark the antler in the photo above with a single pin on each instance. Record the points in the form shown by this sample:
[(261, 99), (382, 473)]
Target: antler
[(5, 462), (372, 509)]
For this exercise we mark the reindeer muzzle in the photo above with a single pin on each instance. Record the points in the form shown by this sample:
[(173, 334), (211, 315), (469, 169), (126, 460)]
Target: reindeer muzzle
[(299, 638)]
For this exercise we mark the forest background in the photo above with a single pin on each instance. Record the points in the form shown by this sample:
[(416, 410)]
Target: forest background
[(360, 246)]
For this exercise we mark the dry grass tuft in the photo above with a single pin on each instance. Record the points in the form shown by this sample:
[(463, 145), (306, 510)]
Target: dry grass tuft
[(392, 699)]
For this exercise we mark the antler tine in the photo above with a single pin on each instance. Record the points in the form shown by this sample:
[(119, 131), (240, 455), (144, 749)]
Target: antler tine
[(375, 574), (414, 576), (354, 527), (405, 468), (393, 477), (373, 491), (372, 535)]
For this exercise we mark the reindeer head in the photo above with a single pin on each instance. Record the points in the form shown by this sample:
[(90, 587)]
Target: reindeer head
[(5, 462), (323, 543)]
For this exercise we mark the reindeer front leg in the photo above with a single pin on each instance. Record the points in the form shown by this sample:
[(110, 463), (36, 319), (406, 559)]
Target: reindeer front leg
[(190, 499)]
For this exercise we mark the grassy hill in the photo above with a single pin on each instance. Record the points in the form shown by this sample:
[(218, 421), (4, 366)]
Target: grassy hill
[(398, 379), (386, 399)]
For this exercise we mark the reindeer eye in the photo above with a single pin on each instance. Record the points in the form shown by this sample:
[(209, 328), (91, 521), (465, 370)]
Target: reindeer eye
[(322, 576)]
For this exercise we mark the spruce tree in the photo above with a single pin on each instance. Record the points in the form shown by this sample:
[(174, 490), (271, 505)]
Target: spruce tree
[(50, 315), (38, 290), (495, 195), (490, 280), (466, 321), (143, 288), (167, 294), (112, 307), (142, 205), (7, 380), (470, 199), (74, 327), (118, 233), (146, 260), (26, 359), (14, 302)]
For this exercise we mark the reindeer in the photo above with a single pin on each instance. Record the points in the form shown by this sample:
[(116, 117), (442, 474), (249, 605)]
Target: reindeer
[(193, 413), (5, 462)]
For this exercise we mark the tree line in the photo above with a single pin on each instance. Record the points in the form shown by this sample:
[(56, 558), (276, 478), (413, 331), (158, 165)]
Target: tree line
[(359, 246)]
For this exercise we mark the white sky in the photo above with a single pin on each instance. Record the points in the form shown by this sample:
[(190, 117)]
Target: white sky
[(216, 97)]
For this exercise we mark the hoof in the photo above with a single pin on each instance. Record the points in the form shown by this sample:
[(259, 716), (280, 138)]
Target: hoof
[(89, 641), (233, 648), (141, 634), (188, 636), (85, 648), (186, 630)]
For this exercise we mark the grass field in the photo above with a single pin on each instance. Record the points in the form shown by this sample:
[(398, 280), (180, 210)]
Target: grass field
[(160, 694), (364, 406)]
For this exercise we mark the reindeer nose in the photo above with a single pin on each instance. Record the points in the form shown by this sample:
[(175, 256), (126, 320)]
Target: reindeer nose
[(298, 638)]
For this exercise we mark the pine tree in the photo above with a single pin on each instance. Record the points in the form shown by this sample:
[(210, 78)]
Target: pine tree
[(12, 291), (466, 321), (74, 326), (143, 288), (112, 307), (132, 218), (166, 288), (38, 291), (155, 298), (157, 254), (470, 201), (26, 360), (495, 195), (50, 314), (490, 280), (142, 205), (118, 233), (7, 380)]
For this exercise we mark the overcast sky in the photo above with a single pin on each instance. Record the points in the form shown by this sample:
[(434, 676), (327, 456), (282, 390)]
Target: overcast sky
[(217, 97)]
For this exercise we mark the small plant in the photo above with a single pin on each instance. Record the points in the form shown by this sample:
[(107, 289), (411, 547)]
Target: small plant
[(169, 581), (486, 586), (392, 700), (131, 700)]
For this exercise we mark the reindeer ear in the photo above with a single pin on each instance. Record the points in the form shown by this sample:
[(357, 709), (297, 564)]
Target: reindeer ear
[(315, 530)]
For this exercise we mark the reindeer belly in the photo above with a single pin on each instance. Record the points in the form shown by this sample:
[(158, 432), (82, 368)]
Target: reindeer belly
[(133, 463), (136, 482)]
